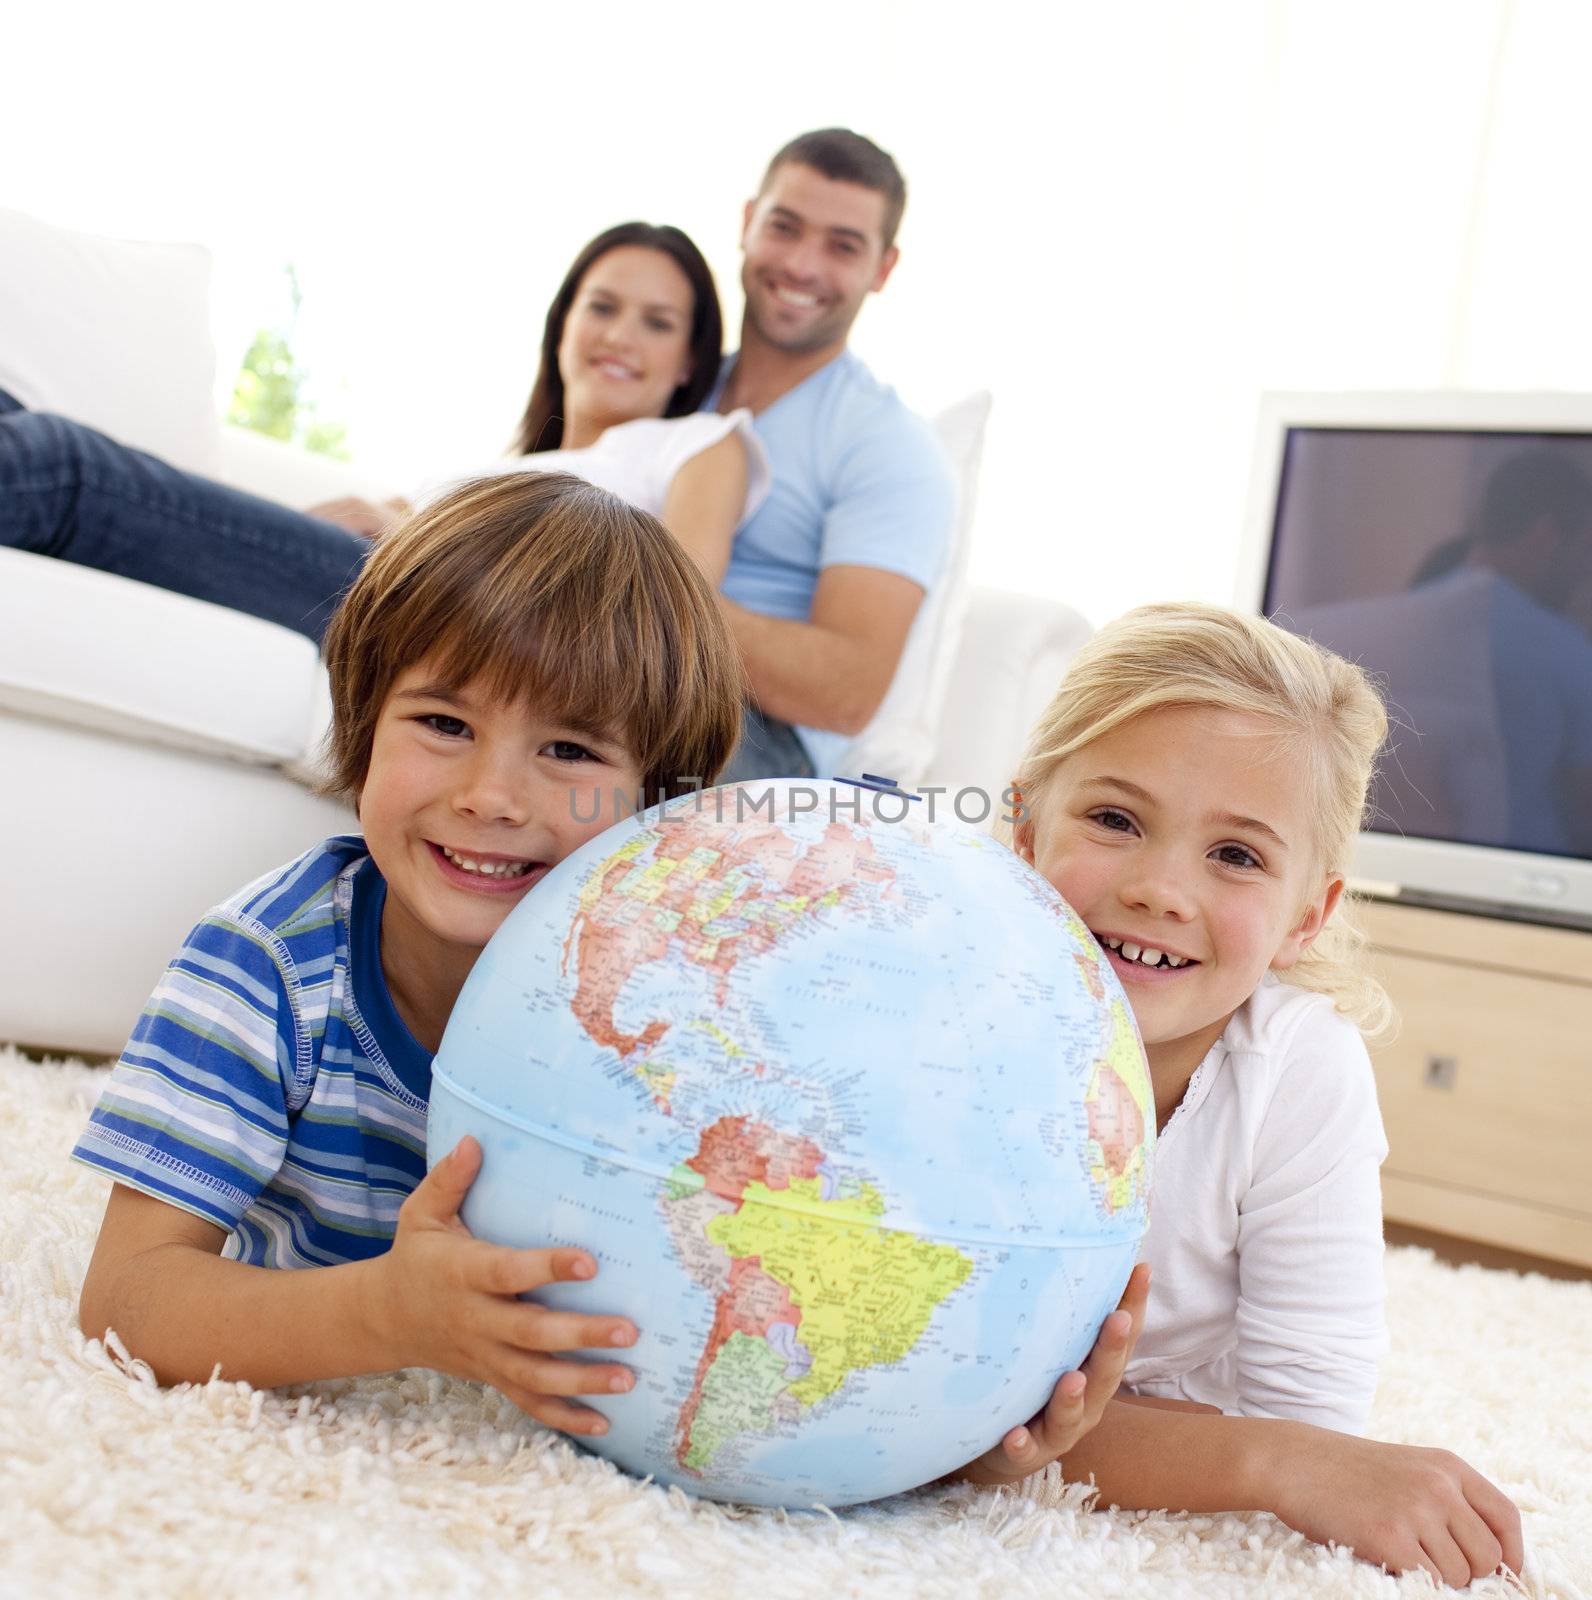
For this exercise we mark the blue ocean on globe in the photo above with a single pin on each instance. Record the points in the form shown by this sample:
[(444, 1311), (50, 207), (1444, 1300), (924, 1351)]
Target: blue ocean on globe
[(851, 1111)]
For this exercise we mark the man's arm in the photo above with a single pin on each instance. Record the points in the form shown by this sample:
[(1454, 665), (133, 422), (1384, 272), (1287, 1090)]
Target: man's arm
[(832, 670)]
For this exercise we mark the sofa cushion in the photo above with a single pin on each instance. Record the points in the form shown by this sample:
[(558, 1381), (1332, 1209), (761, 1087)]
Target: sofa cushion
[(111, 332), (88, 648), (290, 474), (1013, 651), (901, 738)]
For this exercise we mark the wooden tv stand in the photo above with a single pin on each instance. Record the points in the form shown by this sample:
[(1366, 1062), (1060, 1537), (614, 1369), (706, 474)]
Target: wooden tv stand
[(1486, 1090)]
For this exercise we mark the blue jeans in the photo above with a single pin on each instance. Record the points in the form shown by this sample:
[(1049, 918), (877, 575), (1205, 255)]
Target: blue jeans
[(70, 492)]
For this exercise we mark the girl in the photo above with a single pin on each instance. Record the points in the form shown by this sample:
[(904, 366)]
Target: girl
[(1163, 797), (1194, 791)]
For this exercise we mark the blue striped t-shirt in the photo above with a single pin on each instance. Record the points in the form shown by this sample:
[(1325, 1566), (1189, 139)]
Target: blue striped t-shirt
[(270, 1086)]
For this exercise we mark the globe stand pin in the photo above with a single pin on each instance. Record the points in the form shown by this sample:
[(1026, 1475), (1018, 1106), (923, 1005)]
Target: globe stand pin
[(872, 780)]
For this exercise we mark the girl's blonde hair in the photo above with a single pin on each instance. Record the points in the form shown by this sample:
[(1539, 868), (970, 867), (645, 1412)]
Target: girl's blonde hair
[(1324, 707)]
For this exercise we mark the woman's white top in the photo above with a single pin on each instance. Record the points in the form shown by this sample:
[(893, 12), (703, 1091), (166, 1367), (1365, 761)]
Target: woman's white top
[(1265, 1240), (638, 460)]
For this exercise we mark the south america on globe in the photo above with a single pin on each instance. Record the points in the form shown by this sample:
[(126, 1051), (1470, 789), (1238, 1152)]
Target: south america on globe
[(849, 1107)]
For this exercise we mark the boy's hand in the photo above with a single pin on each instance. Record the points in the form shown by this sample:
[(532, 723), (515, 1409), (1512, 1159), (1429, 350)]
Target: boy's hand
[(1075, 1403), (448, 1300), (1401, 1505)]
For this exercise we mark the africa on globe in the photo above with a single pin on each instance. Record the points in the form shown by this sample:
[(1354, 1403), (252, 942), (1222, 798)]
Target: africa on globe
[(849, 1107)]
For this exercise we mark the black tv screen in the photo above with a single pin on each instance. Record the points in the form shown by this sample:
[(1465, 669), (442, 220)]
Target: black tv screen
[(1455, 566)]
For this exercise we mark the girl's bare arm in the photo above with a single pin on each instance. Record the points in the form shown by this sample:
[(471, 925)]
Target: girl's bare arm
[(1399, 1504)]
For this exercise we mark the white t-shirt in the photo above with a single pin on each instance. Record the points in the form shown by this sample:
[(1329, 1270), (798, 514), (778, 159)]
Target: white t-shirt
[(1265, 1241), (638, 460)]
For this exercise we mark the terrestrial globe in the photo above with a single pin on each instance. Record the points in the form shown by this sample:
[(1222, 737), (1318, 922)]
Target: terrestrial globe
[(848, 1106)]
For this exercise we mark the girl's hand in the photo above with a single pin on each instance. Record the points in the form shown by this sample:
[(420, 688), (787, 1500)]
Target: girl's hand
[(1401, 1505), (449, 1301), (1075, 1403)]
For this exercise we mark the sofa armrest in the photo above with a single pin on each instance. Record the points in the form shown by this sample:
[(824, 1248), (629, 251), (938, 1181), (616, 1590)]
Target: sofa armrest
[(90, 650), (1013, 651), (289, 474)]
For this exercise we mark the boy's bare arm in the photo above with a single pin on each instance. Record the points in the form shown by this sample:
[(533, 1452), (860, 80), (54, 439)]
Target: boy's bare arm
[(1399, 1504), (438, 1298), (157, 1278)]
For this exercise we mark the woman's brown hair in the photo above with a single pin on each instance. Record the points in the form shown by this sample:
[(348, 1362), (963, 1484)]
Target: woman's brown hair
[(546, 590)]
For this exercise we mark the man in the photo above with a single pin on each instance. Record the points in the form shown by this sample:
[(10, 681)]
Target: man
[(825, 580)]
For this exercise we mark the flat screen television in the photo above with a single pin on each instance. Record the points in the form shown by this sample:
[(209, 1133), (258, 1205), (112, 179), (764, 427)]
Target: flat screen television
[(1444, 541)]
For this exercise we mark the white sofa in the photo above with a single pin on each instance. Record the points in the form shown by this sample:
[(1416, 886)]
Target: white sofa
[(156, 752)]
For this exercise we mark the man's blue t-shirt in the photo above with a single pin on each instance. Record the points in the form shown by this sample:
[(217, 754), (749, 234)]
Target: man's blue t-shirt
[(859, 480)]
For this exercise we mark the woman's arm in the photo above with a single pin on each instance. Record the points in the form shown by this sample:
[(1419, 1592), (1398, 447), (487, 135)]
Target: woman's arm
[(704, 504), (361, 516)]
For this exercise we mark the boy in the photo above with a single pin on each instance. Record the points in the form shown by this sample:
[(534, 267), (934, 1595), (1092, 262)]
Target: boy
[(526, 638), (524, 641)]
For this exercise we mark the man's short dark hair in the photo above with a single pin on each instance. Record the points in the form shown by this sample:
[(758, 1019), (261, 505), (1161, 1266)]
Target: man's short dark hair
[(846, 157)]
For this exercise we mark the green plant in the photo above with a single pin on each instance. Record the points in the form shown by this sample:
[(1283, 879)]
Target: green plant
[(269, 393)]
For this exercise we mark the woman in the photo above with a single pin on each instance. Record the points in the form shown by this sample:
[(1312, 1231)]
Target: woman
[(629, 351)]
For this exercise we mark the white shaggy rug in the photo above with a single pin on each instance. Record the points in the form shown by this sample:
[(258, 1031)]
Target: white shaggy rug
[(110, 1486)]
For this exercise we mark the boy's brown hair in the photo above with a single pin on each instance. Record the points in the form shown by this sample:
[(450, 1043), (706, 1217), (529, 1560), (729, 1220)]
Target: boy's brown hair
[(550, 590)]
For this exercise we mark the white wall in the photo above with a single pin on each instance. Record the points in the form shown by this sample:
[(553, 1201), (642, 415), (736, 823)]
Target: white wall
[(1127, 220)]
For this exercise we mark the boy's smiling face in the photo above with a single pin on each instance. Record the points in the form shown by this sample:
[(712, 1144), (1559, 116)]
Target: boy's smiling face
[(467, 805)]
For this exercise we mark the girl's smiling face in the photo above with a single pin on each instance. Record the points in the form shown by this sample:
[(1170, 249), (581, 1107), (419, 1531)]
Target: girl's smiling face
[(1184, 841)]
